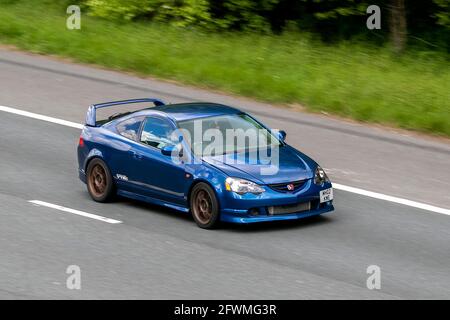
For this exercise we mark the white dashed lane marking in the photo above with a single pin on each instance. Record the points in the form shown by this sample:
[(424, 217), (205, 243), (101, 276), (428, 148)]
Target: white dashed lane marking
[(73, 211)]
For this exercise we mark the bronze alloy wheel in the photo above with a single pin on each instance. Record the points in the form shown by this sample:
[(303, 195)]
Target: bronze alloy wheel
[(204, 206), (99, 181)]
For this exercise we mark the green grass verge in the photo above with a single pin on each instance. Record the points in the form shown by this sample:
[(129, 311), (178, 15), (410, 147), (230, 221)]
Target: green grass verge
[(349, 79)]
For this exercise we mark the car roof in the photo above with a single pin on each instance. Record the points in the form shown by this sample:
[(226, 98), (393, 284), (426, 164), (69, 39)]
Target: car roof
[(194, 110)]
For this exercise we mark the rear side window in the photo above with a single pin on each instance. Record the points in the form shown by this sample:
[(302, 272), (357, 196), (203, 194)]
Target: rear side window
[(130, 128)]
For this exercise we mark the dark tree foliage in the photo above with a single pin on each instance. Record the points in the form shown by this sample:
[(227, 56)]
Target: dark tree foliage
[(402, 20)]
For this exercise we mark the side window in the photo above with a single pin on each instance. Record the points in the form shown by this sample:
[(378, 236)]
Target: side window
[(130, 128), (157, 133)]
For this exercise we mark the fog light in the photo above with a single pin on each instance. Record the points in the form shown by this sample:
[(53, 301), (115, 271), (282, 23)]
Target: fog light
[(254, 212)]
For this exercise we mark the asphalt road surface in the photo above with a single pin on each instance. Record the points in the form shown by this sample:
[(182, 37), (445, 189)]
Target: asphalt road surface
[(157, 253)]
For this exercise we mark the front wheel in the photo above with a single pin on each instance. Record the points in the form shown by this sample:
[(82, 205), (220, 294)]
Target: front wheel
[(204, 206), (99, 181)]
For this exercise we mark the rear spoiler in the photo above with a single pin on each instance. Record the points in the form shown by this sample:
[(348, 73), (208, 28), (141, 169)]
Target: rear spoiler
[(91, 116)]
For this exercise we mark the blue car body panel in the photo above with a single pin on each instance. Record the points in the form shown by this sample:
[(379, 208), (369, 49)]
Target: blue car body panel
[(154, 177)]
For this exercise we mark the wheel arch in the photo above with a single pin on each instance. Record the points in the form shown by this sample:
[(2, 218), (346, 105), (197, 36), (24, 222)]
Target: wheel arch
[(197, 181), (100, 156), (94, 154)]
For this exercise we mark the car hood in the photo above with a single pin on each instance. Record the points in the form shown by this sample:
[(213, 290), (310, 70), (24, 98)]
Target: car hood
[(293, 166)]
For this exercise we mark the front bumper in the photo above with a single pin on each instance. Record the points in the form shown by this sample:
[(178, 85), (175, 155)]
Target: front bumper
[(250, 208)]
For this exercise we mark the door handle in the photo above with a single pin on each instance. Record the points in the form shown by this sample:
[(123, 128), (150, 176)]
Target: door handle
[(136, 155)]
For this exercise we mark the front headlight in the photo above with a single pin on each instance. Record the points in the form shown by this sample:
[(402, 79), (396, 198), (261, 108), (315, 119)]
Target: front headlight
[(320, 177), (241, 186)]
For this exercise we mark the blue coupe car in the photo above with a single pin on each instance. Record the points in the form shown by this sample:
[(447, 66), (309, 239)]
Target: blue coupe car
[(212, 160)]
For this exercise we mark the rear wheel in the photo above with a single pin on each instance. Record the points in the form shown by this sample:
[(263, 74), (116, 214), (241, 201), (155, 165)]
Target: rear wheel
[(204, 206), (99, 181)]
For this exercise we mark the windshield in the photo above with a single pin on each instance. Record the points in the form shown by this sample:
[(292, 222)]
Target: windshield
[(226, 134)]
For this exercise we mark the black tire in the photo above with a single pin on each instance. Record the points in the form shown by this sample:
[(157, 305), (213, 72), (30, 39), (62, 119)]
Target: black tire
[(204, 206), (99, 181)]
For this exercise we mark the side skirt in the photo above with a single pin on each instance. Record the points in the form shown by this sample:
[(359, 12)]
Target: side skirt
[(151, 200)]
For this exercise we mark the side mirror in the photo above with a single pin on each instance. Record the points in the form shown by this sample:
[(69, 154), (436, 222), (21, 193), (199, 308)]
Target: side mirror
[(171, 149), (168, 150), (282, 135)]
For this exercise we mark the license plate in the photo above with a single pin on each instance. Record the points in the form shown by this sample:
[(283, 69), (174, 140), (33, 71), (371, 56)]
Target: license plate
[(326, 195)]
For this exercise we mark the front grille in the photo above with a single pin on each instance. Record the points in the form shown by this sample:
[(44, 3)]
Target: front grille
[(292, 208), (283, 187)]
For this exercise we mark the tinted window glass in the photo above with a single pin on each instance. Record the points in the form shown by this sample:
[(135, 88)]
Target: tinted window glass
[(130, 128), (157, 133), (226, 126)]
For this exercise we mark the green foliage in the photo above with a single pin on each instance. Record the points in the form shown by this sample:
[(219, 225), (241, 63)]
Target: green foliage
[(122, 9), (185, 13), (330, 19), (336, 9), (243, 14), (179, 12), (349, 78), (233, 14), (443, 13)]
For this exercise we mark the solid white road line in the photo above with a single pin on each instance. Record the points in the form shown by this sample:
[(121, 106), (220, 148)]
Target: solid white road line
[(77, 212), (385, 197), (337, 186), (41, 117)]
